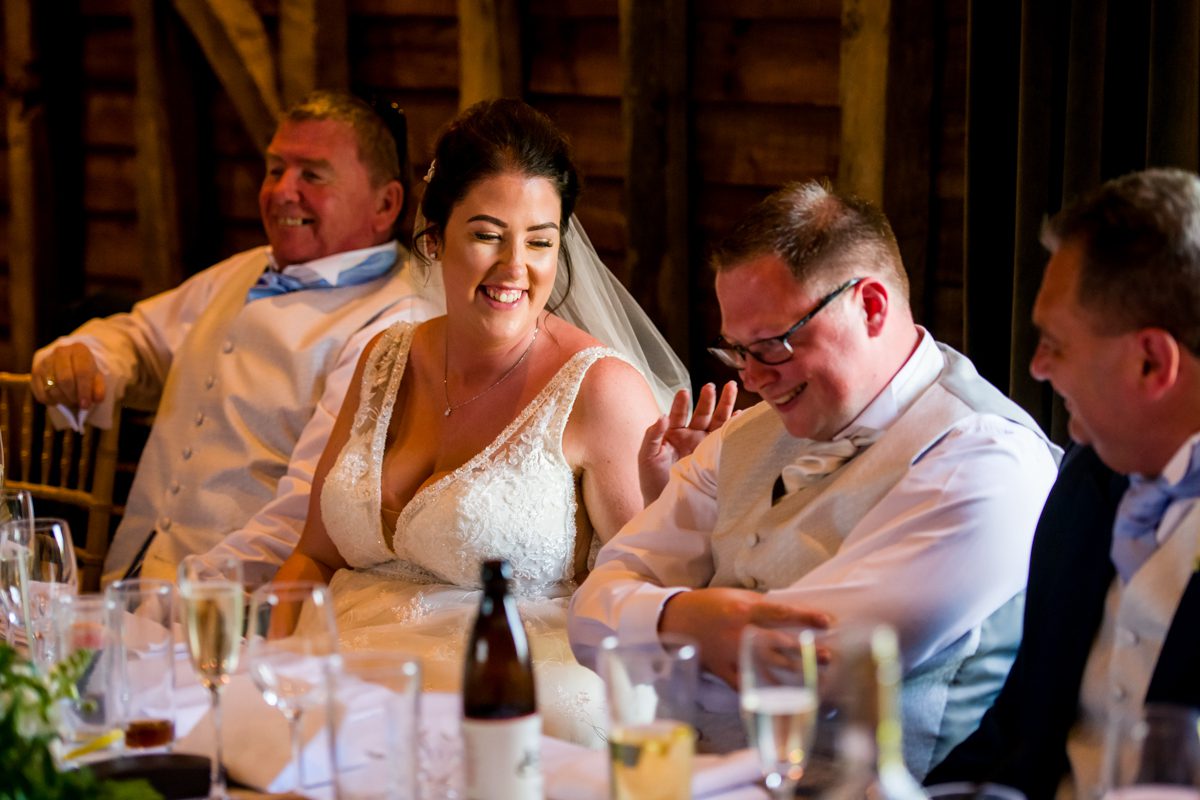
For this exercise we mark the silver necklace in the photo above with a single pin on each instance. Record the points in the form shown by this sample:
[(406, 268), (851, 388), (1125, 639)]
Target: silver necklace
[(451, 408)]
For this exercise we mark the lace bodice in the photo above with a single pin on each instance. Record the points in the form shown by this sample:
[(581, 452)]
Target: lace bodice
[(515, 499)]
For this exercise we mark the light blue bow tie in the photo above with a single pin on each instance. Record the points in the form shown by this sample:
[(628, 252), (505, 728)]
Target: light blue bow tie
[(1140, 512), (271, 283)]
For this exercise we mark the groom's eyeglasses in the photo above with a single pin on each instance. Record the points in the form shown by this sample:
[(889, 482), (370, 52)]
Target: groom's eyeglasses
[(773, 349)]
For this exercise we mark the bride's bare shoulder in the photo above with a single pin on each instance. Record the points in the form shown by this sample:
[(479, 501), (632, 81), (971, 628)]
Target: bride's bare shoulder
[(566, 337)]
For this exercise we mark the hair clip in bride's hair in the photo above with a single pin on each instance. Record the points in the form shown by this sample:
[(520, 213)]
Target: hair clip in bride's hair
[(429, 174)]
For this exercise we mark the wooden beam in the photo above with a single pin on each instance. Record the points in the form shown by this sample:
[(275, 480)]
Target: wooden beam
[(654, 107), (862, 88), (910, 169), (236, 44), (489, 50), (24, 120), (312, 47), (157, 188), (45, 169)]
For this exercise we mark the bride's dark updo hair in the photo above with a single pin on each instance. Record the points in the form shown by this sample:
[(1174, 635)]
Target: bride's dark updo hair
[(488, 139)]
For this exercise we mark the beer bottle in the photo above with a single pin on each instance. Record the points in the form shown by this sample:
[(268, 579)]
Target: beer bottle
[(501, 726)]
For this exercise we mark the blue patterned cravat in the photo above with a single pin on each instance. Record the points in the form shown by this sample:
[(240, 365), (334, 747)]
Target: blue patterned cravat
[(1140, 512), (297, 277)]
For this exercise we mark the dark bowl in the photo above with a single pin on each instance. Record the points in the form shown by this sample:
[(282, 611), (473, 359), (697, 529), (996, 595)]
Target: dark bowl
[(174, 776)]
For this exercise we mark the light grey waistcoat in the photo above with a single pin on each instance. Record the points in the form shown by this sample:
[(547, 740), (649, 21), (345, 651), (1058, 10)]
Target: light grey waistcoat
[(243, 385), (762, 546)]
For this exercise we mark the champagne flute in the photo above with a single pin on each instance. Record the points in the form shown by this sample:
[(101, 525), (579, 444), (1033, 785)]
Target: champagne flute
[(778, 669), (290, 638), (47, 572), (213, 610), (15, 504)]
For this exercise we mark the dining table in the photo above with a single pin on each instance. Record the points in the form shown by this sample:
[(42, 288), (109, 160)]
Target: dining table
[(258, 754)]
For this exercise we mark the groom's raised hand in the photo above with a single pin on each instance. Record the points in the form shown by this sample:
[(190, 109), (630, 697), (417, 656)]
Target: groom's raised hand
[(678, 432)]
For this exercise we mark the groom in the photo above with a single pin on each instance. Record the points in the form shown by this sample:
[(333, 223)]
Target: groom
[(881, 479)]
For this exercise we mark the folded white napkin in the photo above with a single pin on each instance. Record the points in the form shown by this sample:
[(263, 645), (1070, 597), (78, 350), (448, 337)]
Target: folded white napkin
[(100, 415), (258, 751), (583, 774)]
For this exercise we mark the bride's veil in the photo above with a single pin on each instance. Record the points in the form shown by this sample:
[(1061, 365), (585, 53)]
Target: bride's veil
[(600, 305)]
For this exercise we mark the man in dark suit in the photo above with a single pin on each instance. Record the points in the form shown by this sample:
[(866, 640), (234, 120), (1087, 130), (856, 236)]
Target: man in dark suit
[(1112, 618)]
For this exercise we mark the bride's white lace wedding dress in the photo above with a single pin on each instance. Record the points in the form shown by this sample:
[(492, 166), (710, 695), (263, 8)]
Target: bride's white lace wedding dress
[(513, 500)]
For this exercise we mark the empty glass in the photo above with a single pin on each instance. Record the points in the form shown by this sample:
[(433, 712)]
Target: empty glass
[(290, 637), (47, 572), (1154, 754), (15, 504), (374, 711)]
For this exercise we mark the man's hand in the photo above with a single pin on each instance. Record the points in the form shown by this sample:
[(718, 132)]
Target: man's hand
[(68, 376), (677, 433), (715, 618)]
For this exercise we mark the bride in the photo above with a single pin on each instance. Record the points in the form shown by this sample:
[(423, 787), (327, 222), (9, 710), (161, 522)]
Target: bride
[(500, 430)]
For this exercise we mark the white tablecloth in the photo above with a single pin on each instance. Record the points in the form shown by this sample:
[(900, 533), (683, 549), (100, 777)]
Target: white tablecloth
[(258, 749)]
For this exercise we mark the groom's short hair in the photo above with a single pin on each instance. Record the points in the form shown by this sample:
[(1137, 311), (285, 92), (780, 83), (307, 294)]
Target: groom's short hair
[(819, 234)]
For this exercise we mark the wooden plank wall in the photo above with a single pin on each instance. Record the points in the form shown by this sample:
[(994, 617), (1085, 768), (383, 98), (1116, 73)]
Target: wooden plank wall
[(764, 110)]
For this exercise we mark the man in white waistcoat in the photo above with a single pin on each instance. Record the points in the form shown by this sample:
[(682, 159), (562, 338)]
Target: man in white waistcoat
[(880, 479), (247, 362)]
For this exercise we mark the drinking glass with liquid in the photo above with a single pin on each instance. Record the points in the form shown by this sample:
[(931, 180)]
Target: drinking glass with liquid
[(82, 631), (141, 615), (778, 669), (650, 689), (213, 611)]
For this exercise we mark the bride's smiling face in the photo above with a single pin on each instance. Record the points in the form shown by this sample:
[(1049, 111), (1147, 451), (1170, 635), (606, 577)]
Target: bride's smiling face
[(499, 253)]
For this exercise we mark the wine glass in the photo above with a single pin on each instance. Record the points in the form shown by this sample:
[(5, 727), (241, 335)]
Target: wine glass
[(778, 668), (291, 636), (47, 572), (15, 504), (213, 608)]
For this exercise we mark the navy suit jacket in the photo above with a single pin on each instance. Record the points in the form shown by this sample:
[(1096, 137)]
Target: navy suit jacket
[(1021, 741)]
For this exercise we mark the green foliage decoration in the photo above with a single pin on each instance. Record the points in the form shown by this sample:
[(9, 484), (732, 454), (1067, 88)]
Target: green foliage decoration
[(29, 728)]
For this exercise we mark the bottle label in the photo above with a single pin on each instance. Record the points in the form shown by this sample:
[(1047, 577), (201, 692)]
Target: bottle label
[(503, 758)]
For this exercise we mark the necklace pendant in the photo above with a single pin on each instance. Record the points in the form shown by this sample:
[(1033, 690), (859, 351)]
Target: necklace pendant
[(446, 413)]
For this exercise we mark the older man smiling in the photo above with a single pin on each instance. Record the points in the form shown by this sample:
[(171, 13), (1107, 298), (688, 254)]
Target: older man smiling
[(881, 479), (246, 363)]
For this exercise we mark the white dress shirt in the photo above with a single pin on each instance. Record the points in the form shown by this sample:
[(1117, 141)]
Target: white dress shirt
[(941, 551)]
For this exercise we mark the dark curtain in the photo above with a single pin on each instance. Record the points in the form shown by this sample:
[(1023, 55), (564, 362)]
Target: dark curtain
[(1061, 96)]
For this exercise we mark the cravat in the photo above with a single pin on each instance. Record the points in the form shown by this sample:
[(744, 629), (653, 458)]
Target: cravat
[(297, 277), (1140, 512), (820, 459)]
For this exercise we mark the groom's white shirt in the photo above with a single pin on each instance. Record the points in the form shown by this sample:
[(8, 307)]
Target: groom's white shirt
[(935, 556)]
